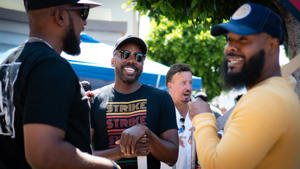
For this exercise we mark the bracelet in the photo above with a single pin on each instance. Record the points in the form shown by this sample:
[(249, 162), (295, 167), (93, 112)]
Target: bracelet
[(116, 166)]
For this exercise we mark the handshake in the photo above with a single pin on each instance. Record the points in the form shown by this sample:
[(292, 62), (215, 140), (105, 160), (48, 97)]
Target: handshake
[(134, 141)]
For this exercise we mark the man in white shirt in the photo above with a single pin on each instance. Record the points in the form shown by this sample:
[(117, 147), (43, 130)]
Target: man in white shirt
[(179, 83)]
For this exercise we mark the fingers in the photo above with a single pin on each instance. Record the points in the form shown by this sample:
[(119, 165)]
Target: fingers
[(181, 142), (130, 137), (197, 107), (127, 144), (190, 139), (142, 147), (131, 148), (117, 142)]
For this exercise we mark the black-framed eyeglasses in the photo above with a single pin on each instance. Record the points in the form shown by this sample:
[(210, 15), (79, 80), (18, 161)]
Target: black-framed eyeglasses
[(124, 54), (182, 128), (83, 10)]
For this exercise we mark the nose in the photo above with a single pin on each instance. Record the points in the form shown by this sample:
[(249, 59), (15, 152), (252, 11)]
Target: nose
[(130, 59), (230, 47), (188, 87)]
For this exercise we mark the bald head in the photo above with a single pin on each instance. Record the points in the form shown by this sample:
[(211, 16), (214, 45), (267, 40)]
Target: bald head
[(41, 19)]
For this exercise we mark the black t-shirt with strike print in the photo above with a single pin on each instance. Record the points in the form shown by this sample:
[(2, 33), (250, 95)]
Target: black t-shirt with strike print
[(113, 112)]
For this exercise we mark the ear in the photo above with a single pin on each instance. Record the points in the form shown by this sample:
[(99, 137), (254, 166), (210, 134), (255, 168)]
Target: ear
[(60, 17), (169, 85), (274, 45), (112, 62)]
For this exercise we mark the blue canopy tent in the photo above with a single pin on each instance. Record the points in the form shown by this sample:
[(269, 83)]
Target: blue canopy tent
[(94, 65)]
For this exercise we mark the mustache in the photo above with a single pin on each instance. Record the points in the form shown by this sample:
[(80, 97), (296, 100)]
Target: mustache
[(234, 54), (187, 91), (130, 65)]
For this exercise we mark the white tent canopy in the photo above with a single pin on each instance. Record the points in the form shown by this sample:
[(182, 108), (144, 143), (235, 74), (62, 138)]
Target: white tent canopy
[(94, 65)]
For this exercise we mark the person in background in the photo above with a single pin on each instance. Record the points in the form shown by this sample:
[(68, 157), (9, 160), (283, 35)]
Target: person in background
[(263, 131), (179, 82), (86, 85), (130, 119), (87, 88), (51, 128)]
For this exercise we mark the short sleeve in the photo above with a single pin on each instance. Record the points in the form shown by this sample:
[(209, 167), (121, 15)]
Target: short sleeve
[(167, 113), (50, 88)]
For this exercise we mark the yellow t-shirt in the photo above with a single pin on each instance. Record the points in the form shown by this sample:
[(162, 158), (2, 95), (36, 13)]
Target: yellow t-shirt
[(263, 131)]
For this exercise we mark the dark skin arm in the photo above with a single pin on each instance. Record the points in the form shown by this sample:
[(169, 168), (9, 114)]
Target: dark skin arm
[(46, 148), (141, 149), (163, 148)]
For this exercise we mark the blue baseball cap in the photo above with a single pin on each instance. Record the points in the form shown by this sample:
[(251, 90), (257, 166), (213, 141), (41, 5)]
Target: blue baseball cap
[(250, 19), (40, 4)]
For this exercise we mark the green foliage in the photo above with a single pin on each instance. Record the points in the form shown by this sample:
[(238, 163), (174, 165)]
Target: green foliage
[(191, 10), (170, 43), (184, 36)]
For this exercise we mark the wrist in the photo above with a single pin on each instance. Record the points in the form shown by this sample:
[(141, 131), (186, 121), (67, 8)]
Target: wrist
[(120, 155), (115, 165)]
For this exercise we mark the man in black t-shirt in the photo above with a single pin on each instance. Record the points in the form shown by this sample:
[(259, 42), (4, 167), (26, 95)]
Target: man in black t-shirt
[(130, 119), (51, 126)]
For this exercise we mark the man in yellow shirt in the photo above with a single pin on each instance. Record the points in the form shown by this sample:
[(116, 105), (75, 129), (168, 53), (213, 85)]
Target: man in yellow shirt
[(263, 131)]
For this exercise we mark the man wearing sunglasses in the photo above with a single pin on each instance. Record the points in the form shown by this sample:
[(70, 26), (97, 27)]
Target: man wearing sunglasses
[(51, 126), (130, 119)]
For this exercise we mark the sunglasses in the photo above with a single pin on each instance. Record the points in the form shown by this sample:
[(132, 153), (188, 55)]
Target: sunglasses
[(124, 54), (83, 11), (182, 128)]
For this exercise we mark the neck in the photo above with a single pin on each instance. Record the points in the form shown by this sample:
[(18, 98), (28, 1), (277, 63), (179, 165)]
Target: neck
[(182, 108), (54, 43), (275, 72), (126, 88)]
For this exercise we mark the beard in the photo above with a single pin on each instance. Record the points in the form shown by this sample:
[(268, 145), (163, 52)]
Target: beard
[(71, 43), (250, 73), (123, 78)]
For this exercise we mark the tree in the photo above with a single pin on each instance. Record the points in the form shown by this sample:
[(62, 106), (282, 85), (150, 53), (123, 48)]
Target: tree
[(198, 10), (171, 43)]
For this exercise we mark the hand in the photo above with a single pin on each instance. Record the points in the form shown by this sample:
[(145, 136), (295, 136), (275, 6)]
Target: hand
[(197, 107), (181, 142), (191, 136), (142, 148), (130, 137), (90, 95)]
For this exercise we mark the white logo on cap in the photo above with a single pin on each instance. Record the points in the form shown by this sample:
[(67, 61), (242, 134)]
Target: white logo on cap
[(242, 12)]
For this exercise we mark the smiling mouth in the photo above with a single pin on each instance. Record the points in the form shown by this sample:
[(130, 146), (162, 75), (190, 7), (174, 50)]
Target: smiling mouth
[(234, 61), (187, 94), (129, 70)]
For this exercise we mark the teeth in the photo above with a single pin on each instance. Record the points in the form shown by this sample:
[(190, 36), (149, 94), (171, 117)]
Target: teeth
[(129, 69), (234, 60)]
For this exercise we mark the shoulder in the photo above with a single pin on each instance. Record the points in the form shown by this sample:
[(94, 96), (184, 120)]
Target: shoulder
[(103, 91), (154, 91), (262, 103), (271, 93), (40, 53)]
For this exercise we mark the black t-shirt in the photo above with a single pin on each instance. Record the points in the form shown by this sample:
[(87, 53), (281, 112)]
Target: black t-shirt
[(47, 91), (112, 112)]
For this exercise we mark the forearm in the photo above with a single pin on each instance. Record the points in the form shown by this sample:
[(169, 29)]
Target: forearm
[(46, 148), (65, 155), (206, 138), (163, 150), (113, 154)]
